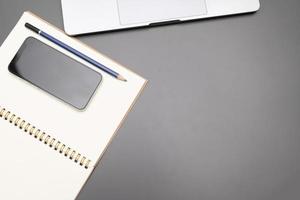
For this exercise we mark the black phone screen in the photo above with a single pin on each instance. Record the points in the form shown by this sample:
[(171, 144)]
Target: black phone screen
[(55, 73)]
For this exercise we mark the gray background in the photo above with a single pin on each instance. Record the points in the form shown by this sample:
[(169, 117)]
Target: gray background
[(219, 119)]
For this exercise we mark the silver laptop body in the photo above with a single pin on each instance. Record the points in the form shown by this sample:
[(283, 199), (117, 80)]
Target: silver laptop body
[(89, 16)]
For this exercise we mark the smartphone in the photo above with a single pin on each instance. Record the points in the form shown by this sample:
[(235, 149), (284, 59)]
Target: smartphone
[(55, 73)]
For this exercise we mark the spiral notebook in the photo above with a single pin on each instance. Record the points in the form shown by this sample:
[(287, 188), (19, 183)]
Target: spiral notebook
[(49, 148)]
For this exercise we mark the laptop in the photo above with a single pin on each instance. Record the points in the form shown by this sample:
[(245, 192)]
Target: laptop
[(88, 16)]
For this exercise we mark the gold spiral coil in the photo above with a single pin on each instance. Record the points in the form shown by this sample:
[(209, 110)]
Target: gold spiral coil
[(21, 126), (12, 118), (45, 138)]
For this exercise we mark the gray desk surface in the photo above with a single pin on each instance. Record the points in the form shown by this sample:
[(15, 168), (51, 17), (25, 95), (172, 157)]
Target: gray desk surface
[(220, 118)]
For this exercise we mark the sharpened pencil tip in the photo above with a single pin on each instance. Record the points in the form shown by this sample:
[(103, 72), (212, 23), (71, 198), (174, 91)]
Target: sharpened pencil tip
[(120, 77)]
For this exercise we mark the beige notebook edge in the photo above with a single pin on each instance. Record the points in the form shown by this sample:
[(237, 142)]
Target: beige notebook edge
[(113, 61)]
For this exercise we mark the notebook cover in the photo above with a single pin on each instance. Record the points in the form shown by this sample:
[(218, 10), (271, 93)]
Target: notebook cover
[(49, 149)]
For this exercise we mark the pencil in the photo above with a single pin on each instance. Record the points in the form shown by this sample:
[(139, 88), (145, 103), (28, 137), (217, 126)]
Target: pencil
[(75, 52)]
